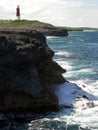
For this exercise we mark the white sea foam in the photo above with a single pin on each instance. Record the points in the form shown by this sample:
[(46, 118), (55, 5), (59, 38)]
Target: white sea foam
[(63, 63), (90, 84), (63, 53), (50, 37), (84, 101), (89, 30), (76, 73), (68, 92), (86, 70)]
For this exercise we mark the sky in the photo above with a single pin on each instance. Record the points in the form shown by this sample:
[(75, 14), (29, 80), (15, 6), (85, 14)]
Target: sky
[(70, 13)]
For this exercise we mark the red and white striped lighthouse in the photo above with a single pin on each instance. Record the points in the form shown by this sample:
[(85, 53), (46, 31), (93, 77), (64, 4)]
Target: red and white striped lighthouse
[(18, 12)]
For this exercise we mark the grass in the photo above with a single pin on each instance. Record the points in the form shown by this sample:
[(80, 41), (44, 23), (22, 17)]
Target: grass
[(18, 24), (78, 28), (34, 24)]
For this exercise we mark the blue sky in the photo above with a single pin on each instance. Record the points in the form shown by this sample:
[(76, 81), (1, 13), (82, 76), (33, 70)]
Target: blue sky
[(71, 13)]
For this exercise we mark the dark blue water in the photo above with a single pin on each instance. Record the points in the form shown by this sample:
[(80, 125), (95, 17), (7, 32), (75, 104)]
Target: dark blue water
[(78, 53)]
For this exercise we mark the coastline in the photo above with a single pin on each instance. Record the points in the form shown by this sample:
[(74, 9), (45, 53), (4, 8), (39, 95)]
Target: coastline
[(70, 95)]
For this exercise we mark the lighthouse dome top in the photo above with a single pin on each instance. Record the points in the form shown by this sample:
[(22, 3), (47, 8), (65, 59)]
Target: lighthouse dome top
[(17, 6)]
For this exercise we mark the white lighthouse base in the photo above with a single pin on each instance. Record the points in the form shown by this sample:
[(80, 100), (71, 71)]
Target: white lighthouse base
[(18, 17)]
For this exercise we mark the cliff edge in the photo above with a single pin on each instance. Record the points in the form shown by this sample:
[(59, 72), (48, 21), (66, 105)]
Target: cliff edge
[(27, 72), (46, 28)]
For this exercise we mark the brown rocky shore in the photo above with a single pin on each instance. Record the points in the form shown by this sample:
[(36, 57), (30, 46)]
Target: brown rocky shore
[(27, 72)]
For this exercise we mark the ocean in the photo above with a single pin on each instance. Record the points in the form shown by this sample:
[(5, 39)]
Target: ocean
[(78, 54)]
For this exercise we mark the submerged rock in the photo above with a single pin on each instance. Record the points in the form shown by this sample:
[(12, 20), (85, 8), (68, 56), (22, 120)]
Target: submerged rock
[(27, 72)]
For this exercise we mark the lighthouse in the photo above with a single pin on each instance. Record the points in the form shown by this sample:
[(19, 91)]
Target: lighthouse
[(18, 12)]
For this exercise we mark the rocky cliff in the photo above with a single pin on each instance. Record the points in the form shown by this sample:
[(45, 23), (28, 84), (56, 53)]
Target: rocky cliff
[(27, 72)]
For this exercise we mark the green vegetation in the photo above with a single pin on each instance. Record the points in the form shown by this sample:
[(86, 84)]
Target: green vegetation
[(16, 23), (78, 28), (34, 24), (21, 24)]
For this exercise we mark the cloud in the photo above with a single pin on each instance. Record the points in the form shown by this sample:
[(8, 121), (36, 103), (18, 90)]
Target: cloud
[(28, 7), (57, 12)]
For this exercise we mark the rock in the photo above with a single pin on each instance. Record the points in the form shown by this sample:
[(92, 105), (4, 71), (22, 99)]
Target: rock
[(3, 120), (55, 32), (27, 73), (85, 97), (49, 30)]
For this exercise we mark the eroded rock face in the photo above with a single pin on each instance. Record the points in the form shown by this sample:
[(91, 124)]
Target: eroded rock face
[(27, 72)]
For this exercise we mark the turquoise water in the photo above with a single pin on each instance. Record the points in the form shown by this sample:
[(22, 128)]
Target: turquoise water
[(78, 53)]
